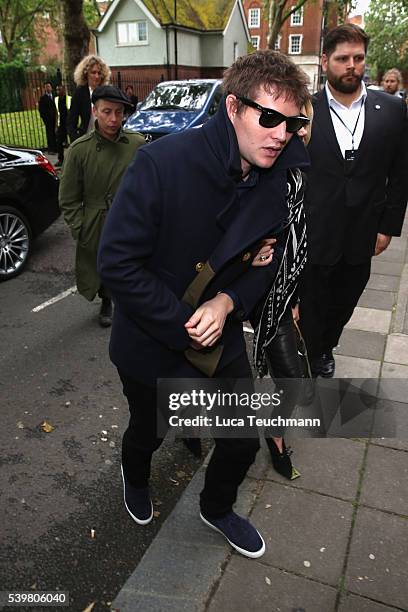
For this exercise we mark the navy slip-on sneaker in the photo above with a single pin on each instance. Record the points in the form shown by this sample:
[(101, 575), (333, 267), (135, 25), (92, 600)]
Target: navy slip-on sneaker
[(239, 533), (137, 502)]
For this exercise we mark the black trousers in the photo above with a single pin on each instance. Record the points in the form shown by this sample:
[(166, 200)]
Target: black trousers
[(61, 136), (328, 297), (285, 368), (282, 353), (50, 132), (229, 462)]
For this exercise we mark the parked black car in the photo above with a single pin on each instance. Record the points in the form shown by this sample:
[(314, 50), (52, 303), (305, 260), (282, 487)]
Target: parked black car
[(28, 205)]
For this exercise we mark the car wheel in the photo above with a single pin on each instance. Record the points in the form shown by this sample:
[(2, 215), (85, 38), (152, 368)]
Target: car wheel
[(15, 242)]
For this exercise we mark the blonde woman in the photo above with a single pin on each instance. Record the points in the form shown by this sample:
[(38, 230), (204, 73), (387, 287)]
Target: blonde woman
[(89, 74), (275, 341)]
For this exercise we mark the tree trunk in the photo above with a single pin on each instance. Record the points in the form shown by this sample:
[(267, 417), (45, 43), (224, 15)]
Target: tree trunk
[(275, 21), (76, 38)]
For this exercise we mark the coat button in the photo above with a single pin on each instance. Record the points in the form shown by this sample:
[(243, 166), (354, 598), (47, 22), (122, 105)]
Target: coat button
[(199, 266), (246, 256)]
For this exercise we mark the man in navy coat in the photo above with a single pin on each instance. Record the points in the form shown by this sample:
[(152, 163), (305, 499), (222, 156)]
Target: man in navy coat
[(176, 253)]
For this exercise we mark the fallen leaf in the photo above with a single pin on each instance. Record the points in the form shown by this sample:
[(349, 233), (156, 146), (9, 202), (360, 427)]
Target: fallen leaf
[(268, 581), (20, 424), (90, 607), (180, 474), (371, 556), (268, 506), (156, 513), (47, 427), (306, 563)]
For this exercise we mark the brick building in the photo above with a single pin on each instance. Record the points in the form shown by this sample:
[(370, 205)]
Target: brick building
[(300, 36)]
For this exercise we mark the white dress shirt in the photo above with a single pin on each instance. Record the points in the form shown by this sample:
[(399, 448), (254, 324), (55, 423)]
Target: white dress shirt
[(349, 117)]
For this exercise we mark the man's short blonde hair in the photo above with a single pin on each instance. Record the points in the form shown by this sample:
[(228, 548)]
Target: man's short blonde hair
[(394, 72)]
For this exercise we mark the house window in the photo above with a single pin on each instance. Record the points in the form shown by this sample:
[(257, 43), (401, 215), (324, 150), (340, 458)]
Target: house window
[(255, 41), (236, 51), (296, 18), (254, 18), (295, 44), (131, 32), (277, 43)]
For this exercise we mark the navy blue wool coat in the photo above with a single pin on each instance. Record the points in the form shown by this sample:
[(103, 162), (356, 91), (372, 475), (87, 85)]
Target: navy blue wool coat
[(178, 206)]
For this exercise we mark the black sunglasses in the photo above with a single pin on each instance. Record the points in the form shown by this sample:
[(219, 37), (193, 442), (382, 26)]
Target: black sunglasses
[(270, 118)]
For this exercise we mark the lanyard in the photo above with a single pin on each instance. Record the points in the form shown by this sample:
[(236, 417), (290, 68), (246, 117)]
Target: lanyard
[(346, 126)]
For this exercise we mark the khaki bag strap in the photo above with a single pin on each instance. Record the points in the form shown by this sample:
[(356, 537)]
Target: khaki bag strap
[(207, 359)]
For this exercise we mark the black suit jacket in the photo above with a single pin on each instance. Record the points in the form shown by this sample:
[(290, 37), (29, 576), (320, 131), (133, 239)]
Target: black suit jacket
[(47, 110), (346, 208), (80, 110)]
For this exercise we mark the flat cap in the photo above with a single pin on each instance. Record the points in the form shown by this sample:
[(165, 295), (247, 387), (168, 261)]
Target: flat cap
[(112, 94)]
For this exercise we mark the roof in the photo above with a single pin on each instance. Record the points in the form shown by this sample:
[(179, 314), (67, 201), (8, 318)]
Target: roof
[(202, 15), (197, 14)]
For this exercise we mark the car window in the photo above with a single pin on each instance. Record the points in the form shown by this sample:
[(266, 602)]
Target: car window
[(215, 103), (185, 96)]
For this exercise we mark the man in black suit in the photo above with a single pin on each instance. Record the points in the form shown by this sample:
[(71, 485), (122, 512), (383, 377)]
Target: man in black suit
[(357, 191), (48, 114), (176, 253)]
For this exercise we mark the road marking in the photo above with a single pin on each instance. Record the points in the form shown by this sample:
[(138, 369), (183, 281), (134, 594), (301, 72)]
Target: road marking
[(248, 329), (57, 298)]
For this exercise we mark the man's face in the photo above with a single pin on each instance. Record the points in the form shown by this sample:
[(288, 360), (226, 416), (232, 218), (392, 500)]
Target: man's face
[(60, 90), (391, 84), (259, 146), (345, 67), (109, 116), (94, 76), (48, 88)]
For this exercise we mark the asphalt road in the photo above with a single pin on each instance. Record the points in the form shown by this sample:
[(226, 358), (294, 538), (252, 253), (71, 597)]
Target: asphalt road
[(57, 486)]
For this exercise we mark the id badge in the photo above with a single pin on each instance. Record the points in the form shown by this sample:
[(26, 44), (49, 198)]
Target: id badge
[(350, 155)]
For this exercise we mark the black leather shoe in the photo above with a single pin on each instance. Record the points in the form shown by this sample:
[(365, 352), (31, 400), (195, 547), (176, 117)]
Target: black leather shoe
[(324, 366), (281, 461), (105, 314)]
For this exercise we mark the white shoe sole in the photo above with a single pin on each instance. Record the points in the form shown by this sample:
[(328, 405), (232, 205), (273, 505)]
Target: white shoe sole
[(246, 553), (137, 520)]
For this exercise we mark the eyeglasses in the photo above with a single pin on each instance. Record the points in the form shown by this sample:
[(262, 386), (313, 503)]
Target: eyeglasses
[(270, 118)]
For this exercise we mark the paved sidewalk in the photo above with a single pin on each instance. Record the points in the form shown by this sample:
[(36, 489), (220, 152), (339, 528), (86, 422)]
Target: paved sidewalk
[(336, 538)]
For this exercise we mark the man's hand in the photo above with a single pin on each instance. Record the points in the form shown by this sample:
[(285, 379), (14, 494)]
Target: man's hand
[(205, 326), (382, 243), (265, 253)]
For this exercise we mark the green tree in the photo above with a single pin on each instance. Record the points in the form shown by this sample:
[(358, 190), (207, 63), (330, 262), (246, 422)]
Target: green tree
[(279, 11), (387, 25), (18, 19)]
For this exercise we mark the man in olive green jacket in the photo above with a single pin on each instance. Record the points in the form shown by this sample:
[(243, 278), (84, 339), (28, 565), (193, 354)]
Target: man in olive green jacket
[(93, 168)]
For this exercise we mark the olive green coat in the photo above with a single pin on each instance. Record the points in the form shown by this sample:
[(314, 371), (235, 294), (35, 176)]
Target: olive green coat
[(92, 170)]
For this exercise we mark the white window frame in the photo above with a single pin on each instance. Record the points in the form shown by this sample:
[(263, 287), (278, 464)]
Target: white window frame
[(291, 37), (296, 18), (255, 40), (277, 45), (254, 18), (131, 43), (235, 51)]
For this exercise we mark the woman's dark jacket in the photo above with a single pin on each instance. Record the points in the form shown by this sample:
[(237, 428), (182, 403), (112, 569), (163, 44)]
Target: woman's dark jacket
[(79, 113)]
